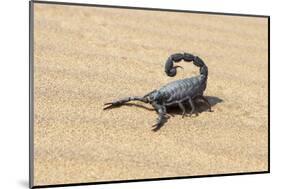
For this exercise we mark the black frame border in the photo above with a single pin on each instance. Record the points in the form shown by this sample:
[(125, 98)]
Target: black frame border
[(31, 93)]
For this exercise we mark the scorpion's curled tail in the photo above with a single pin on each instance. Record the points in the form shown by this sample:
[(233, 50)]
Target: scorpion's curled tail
[(171, 70)]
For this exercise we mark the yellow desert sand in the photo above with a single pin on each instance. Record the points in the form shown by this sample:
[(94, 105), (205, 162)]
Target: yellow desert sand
[(87, 56)]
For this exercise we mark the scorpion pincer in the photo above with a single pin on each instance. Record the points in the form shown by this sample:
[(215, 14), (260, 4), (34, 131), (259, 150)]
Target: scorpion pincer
[(179, 92)]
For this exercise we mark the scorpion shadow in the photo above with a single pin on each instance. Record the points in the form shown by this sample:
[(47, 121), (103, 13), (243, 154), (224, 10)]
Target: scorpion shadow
[(175, 110), (200, 106)]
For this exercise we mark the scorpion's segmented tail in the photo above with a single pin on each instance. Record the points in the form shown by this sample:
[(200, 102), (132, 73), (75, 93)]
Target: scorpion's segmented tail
[(171, 70)]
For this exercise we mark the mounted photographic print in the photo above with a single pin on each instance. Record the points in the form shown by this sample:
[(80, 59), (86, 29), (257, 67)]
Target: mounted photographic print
[(121, 94)]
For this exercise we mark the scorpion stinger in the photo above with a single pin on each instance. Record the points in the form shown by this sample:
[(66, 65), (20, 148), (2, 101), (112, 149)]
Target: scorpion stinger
[(178, 92)]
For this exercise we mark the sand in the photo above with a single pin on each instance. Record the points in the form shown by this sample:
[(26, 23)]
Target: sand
[(86, 56)]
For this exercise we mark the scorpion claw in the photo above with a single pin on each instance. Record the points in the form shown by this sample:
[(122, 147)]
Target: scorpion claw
[(111, 104), (155, 129), (156, 125), (107, 107)]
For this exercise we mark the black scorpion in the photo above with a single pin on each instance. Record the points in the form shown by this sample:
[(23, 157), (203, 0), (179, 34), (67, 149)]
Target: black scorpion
[(179, 92)]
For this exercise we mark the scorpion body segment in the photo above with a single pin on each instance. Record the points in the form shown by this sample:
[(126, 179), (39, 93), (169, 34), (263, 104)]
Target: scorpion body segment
[(179, 92)]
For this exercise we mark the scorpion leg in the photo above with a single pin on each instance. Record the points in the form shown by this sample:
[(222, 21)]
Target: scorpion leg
[(161, 110), (192, 107), (166, 114), (182, 108), (180, 105), (123, 101)]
